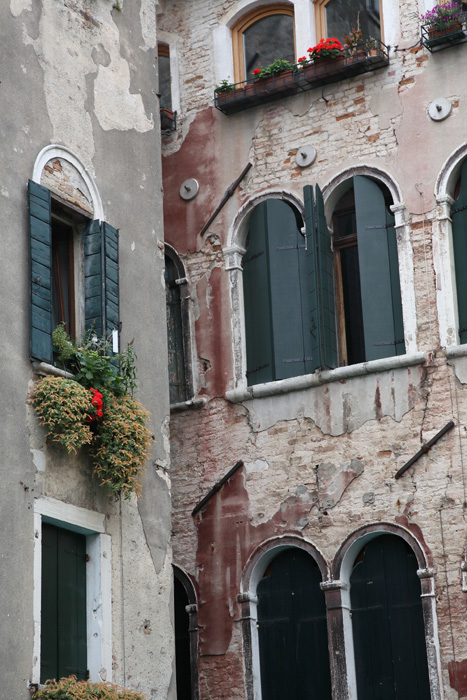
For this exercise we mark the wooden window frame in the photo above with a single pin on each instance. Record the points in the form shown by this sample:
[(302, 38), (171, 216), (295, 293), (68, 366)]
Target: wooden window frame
[(320, 18), (244, 23)]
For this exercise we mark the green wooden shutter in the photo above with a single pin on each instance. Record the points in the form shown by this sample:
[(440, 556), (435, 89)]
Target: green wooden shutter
[(63, 604), (286, 249), (320, 289), (379, 278), (40, 236), (459, 238), (101, 284), (257, 300)]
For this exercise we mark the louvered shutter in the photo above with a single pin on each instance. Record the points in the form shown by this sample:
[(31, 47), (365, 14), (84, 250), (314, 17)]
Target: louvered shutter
[(320, 290), (380, 288), (286, 250), (257, 300), (459, 236), (40, 236), (101, 281)]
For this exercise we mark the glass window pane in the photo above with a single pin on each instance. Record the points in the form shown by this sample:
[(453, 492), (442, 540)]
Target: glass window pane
[(164, 82), (266, 40), (342, 16)]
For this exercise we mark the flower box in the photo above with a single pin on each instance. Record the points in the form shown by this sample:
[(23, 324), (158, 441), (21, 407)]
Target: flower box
[(311, 74), (436, 38)]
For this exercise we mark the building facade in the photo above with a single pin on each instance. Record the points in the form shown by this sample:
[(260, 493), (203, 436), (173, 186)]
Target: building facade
[(315, 264), (80, 140)]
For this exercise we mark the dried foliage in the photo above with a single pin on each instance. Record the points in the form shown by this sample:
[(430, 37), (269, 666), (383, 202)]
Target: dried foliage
[(71, 689), (64, 407), (122, 444)]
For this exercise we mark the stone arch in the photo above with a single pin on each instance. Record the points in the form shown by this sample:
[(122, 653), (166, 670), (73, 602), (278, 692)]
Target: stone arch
[(90, 193), (183, 582)]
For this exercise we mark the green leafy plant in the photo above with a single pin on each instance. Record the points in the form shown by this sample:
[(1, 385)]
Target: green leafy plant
[(122, 444), (65, 408), (62, 344), (71, 689), (280, 65), (224, 86)]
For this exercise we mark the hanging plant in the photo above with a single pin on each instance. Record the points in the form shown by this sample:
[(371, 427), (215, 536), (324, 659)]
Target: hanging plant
[(122, 445), (71, 689), (65, 408)]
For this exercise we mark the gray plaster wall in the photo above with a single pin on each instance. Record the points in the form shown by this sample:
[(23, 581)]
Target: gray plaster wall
[(81, 75)]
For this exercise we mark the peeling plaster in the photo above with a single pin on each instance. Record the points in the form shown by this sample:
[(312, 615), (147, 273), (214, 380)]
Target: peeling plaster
[(147, 15), (386, 105), (18, 6)]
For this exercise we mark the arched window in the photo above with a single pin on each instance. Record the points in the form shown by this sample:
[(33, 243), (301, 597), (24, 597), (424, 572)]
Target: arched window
[(178, 335), (261, 36), (277, 294), (459, 237), (292, 631), (387, 622), (367, 286), (336, 18), (186, 640)]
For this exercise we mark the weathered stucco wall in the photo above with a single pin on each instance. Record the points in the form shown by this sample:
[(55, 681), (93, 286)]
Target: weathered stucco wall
[(319, 462), (81, 75)]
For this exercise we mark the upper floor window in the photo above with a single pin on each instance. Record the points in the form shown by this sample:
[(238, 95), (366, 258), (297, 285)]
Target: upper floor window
[(260, 37), (337, 18), (309, 304), (165, 88), (459, 236), (178, 334)]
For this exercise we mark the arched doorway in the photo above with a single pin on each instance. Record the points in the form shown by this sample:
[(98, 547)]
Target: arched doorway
[(186, 636), (387, 622)]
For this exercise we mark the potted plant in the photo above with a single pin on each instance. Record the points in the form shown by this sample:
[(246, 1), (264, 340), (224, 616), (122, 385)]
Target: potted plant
[(327, 56), (371, 47), (443, 20), (277, 75), (353, 42)]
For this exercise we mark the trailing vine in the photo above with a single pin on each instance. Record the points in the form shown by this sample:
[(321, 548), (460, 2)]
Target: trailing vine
[(71, 689)]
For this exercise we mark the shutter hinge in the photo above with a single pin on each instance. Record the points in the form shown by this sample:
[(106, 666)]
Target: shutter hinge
[(256, 369), (389, 342), (455, 211), (252, 257), (289, 247), (367, 228), (299, 359)]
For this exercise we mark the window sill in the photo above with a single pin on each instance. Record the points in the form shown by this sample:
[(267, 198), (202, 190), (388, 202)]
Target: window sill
[(436, 40), (254, 92), (307, 381), (184, 405), (45, 369), (454, 351)]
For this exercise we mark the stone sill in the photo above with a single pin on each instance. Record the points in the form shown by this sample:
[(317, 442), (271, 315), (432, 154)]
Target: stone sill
[(191, 403), (307, 381), (454, 351), (44, 369)]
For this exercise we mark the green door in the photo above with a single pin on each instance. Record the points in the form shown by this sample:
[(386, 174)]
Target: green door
[(387, 620), (293, 641), (63, 604)]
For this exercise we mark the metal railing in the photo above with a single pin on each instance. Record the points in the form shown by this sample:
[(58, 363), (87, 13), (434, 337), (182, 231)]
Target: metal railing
[(451, 34)]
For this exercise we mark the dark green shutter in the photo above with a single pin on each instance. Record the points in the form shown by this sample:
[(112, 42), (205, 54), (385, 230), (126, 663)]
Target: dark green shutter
[(387, 621), (257, 300), (40, 235), (63, 606), (459, 237), (292, 630), (320, 290), (176, 358), (379, 278), (101, 283), (286, 247)]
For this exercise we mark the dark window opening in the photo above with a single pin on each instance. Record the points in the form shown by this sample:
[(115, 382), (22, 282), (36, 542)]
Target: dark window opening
[(342, 16), (182, 642), (165, 89), (459, 239), (63, 604), (63, 284), (175, 334), (266, 40)]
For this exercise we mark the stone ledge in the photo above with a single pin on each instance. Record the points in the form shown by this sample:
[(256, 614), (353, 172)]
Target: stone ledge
[(307, 381)]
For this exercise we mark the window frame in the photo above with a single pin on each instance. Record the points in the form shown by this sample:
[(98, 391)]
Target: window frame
[(320, 19), (98, 582), (244, 23)]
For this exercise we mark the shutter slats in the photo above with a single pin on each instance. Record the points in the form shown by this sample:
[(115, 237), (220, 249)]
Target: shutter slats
[(326, 285), (40, 236), (101, 278), (459, 236)]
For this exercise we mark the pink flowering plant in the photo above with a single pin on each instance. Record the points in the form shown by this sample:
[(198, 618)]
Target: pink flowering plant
[(442, 16)]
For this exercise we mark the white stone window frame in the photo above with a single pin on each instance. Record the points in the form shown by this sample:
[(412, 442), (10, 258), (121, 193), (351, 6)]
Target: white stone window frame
[(252, 575), (304, 25), (342, 570), (236, 248), (98, 582), (443, 254), (170, 40)]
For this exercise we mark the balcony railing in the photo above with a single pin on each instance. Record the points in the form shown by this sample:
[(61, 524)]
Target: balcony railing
[(452, 34), (315, 74)]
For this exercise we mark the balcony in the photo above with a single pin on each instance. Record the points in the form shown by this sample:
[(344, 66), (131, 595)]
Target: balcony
[(314, 74), (452, 34)]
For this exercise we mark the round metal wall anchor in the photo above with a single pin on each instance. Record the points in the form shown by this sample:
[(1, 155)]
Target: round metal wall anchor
[(305, 156), (439, 109), (189, 189)]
